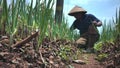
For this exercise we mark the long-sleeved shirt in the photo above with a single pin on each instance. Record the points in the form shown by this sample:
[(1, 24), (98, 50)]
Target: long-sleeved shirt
[(83, 24)]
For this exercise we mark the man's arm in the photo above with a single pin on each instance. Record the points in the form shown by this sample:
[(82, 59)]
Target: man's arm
[(73, 26), (95, 20)]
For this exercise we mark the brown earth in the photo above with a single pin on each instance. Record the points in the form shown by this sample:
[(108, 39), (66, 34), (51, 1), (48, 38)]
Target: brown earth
[(22, 54), (90, 62)]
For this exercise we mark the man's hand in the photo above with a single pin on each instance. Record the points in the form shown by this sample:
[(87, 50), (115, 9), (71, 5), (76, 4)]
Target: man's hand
[(97, 23), (81, 41)]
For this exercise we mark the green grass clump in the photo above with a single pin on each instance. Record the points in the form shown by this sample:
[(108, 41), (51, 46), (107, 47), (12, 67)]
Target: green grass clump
[(19, 19), (110, 31)]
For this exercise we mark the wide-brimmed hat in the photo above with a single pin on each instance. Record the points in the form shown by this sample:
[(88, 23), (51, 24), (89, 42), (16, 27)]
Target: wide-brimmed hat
[(76, 9)]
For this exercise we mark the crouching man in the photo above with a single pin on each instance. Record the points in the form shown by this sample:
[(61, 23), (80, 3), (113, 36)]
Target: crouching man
[(87, 25)]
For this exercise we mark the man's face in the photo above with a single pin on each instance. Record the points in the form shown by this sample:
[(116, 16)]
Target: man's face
[(78, 15)]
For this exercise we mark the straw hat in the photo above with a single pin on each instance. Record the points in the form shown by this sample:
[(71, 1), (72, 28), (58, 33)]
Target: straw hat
[(76, 9)]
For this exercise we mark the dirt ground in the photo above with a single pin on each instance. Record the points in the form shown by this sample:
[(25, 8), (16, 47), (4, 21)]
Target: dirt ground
[(24, 55), (90, 62)]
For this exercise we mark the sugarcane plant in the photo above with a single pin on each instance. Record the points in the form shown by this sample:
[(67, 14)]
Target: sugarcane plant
[(19, 19), (110, 32)]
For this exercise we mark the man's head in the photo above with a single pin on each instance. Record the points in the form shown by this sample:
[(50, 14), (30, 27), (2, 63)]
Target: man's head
[(77, 12)]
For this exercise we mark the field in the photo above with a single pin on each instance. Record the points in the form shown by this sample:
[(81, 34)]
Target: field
[(31, 38)]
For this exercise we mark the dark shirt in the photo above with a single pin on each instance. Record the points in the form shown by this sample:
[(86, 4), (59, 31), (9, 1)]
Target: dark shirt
[(83, 23)]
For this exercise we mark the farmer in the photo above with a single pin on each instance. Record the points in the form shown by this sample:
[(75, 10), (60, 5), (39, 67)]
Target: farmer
[(86, 24)]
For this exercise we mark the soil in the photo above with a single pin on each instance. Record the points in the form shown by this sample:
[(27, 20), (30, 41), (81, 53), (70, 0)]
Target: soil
[(23, 54), (89, 58), (112, 50)]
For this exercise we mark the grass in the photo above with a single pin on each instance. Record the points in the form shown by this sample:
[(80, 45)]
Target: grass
[(110, 31), (20, 19)]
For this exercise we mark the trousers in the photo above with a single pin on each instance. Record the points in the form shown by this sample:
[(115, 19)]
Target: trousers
[(87, 40)]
